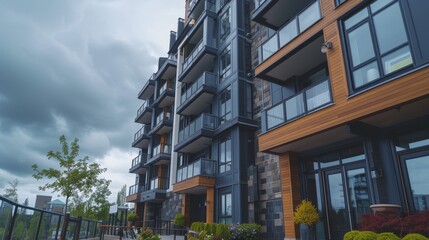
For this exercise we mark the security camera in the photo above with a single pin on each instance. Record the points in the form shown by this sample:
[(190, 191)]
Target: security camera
[(249, 74)]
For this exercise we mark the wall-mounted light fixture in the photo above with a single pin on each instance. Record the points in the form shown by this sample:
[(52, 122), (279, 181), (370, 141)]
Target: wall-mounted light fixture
[(325, 47)]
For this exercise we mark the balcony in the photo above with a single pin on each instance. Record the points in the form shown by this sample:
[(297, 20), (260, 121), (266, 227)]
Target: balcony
[(197, 7), (303, 103), (148, 89), (163, 124), (165, 97), (134, 193), (155, 191), (202, 167), (199, 50), (275, 13), (168, 70), (137, 165), (144, 113), (141, 137), (161, 154), (199, 95), (293, 28), (197, 135)]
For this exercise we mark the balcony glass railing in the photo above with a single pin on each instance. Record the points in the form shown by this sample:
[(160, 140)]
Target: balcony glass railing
[(211, 42), (202, 167), (134, 189), (207, 78), (147, 84), (161, 148), (204, 121), (259, 3), (158, 183), (291, 30), (143, 131), (161, 117), (300, 104), (140, 159), (147, 103)]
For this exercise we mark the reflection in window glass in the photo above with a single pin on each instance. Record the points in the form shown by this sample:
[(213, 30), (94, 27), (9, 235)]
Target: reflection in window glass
[(225, 24), (361, 47), (366, 74), (418, 169), (225, 208), (356, 18), (412, 140), (377, 5), (295, 106), (275, 116), (397, 60), (225, 155), (358, 194), (225, 62), (389, 37), (225, 113)]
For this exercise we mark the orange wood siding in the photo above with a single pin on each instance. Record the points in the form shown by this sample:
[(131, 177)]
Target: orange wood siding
[(289, 172), (197, 181), (410, 87), (186, 209), (210, 205)]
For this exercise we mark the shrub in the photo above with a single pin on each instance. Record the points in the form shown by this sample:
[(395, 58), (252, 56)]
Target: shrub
[(414, 236), (366, 235), (147, 234), (197, 226), (210, 228), (222, 231), (351, 235), (306, 213), (387, 236), (245, 231), (179, 220), (132, 217)]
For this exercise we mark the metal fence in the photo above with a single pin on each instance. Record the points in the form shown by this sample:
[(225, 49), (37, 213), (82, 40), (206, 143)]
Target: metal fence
[(20, 222)]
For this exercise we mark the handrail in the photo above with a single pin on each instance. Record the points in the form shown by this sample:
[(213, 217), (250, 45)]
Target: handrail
[(142, 131), (147, 83), (201, 167), (289, 31), (207, 78), (141, 158), (204, 121), (145, 104)]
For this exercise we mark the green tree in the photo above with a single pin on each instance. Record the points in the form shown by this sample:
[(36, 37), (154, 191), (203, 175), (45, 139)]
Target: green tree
[(120, 199), (74, 178), (12, 191)]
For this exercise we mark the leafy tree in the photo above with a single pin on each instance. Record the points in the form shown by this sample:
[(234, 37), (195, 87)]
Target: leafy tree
[(120, 199), (74, 178), (12, 191)]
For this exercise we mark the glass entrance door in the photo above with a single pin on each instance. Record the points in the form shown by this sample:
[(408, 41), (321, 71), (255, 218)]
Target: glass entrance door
[(415, 167), (347, 197)]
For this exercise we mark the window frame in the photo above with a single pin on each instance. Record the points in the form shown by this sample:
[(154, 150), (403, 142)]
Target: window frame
[(226, 141), (224, 115), (223, 218), (225, 71), (378, 56), (227, 12)]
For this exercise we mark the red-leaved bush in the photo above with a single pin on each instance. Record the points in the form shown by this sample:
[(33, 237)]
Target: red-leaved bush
[(400, 225)]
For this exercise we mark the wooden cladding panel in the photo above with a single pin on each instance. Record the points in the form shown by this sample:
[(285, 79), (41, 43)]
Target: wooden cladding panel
[(289, 174), (210, 199), (197, 181), (405, 89), (330, 14), (186, 209)]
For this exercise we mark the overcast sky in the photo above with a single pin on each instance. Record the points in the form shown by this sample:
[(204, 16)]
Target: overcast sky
[(75, 67)]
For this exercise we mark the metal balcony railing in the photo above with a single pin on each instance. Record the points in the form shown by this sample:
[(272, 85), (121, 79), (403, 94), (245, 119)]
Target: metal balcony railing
[(207, 78), (302, 103), (158, 183), (202, 167), (143, 131), (290, 30), (140, 159), (147, 103), (204, 121)]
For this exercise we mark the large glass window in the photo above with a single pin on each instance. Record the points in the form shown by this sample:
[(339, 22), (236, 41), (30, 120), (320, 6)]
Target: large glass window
[(225, 215), (375, 47), (225, 155), (225, 113), (225, 24), (225, 62)]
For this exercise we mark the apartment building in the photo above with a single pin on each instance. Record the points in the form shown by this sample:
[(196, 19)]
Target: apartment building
[(197, 142), (345, 105)]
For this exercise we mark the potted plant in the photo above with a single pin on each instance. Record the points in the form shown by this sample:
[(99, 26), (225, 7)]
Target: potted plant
[(179, 220), (307, 215), (132, 218)]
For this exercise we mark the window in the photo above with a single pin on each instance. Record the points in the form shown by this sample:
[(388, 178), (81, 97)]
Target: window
[(225, 215), (340, 2), (375, 48), (225, 25), (225, 62), (225, 113), (225, 155)]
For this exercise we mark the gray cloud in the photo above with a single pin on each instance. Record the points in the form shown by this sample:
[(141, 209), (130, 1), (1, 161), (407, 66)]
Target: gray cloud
[(75, 68)]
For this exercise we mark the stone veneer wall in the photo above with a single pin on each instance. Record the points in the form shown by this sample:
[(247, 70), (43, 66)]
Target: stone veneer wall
[(171, 206), (267, 209)]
